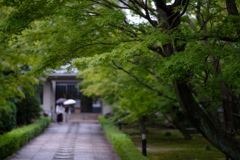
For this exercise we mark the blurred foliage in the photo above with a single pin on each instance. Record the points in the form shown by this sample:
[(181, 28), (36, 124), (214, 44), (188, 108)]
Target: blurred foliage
[(132, 65), (28, 109), (14, 62), (7, 117)]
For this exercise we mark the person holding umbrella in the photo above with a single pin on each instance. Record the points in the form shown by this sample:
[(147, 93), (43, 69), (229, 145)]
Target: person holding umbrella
[(60, 109), (67, 104)]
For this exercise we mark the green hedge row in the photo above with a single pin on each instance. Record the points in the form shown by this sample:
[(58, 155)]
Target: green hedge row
[(13, 140), (120, 141)]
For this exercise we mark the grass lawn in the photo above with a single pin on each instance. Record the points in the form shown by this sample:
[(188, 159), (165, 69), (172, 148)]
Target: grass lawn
[(165, 144)]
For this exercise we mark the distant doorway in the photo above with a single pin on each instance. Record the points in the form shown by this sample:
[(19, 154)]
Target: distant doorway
[(69, 90)]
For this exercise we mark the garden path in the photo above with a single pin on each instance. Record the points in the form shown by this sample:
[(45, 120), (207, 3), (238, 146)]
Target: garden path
[(76, 140)]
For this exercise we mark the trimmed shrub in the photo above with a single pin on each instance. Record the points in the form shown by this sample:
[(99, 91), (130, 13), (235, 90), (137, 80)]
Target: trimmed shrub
[(12, 141), (27, 109), (120, 141), (7, 117)]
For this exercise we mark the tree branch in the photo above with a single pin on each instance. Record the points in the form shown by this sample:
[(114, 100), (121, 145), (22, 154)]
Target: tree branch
[(157, 49), (159, 79), (142, 83), (191, 24), (160, 4), (181, 14), (232, 7), (137, 10), (115, 5), (227, 39), (123, 29)]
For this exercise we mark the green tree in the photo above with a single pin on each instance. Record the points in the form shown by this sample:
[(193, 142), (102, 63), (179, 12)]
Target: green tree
[(191, 45), (119, 89), (13, 64)]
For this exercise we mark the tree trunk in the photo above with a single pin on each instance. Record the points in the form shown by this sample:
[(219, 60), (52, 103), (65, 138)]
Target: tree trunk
[(142, 124), (210, 130), (226, 103), (178, 124), (182, 129)]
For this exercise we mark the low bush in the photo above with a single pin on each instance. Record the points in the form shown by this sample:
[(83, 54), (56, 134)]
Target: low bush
[(120, 141), (28, 109), (7, 117), (12, 141)]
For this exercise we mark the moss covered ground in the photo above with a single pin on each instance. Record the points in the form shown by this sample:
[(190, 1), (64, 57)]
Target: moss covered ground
[(169, 144)]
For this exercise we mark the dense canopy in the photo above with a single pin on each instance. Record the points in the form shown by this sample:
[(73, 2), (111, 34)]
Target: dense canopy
[(155, 51)]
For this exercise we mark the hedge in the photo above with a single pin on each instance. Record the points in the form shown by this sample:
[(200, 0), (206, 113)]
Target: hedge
[(13, 140), (27, 109), (120, 141), (7, 117)]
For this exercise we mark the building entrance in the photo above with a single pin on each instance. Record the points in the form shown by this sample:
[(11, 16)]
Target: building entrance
[(71, 91)]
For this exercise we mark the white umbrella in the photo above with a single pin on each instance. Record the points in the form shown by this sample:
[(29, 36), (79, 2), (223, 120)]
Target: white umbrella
[(69, 102)]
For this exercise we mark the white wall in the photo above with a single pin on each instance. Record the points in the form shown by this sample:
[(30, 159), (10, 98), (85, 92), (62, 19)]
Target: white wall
[(47, 96), (106, 109)]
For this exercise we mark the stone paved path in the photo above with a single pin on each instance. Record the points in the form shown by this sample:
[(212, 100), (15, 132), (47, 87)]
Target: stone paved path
[(72, 141)]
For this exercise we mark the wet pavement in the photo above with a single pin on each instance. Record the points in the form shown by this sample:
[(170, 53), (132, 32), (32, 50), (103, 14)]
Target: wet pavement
[(71, 141)]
